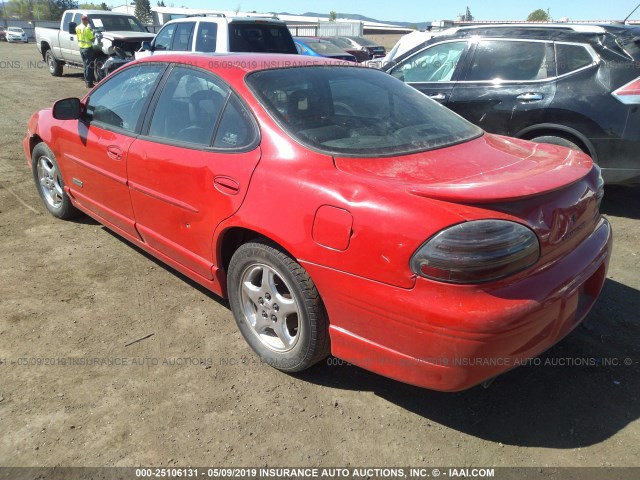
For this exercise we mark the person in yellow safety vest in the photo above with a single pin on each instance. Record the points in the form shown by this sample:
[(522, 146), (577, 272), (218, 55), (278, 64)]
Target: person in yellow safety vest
[(85, 42)]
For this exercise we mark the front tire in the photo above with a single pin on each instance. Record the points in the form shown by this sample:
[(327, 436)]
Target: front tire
[(277, 307), (55, 67), (49, 182)]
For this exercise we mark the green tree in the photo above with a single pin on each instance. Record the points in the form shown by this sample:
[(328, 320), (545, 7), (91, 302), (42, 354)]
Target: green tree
[(94, 6), (22, 9), (143, 11), (467, 16), (332, 16), (161, 3), (539, 16)]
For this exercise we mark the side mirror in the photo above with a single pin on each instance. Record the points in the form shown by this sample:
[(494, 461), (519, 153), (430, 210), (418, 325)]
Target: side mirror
[(67, 109), (72, 28), (147, 47)]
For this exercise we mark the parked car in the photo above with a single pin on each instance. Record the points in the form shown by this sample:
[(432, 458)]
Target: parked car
[(407, 42), (338, 209), (316, 47), (16, 34), (116, 35), (220, 34), (360, 47), (571, 85), (3, 35)]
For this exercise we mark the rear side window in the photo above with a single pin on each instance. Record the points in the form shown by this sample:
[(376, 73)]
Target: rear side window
[(236, 129), (206, 39), (570, 58), (188, 108), (260, 37), (182, 37), (515, 61)]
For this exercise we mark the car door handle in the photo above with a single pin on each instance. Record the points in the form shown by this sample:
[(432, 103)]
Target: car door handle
[(226, 185), (114, 152), (438, 97), (530, 97)]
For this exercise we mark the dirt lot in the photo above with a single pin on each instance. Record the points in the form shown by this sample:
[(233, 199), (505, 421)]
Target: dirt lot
[(73, 290)]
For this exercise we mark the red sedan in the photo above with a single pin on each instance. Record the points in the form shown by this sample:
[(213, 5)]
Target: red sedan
[(338, 209)]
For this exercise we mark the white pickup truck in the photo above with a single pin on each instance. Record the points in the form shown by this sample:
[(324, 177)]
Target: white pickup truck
[(112, 30)]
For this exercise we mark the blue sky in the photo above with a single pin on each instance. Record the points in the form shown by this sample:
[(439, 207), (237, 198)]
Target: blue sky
[(427, 10)]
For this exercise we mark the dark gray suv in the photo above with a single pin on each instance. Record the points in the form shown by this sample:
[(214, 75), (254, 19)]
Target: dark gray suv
[(571, 85)]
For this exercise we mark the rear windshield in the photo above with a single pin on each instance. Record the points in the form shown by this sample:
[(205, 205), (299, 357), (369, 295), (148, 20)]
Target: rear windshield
[(261, 38), (354, 111)]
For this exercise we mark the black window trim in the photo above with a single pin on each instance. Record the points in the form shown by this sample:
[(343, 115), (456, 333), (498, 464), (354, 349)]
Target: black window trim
[(151, 107), (143, 112)]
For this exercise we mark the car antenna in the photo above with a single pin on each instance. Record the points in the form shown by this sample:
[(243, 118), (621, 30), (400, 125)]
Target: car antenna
[(632, 11)]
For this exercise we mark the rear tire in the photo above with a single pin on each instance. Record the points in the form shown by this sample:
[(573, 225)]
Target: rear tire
[(553, 140), (277, 307), (55, 67)]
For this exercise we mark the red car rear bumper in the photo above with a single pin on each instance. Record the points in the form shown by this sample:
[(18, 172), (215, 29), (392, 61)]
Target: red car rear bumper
[(450, 337)]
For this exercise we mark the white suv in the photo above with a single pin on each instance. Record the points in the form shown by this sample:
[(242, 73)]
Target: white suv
[(16, 34), (220, 34)]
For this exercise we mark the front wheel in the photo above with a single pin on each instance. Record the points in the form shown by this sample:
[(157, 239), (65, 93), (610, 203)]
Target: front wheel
[(49, 182), (55, 67), (277, 307)]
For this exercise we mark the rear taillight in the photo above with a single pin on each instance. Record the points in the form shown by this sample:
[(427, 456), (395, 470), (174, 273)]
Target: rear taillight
[(477, 251), (629, 94)]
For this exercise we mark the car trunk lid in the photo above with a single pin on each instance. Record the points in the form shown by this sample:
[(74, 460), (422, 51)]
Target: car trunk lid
[(488, 169)]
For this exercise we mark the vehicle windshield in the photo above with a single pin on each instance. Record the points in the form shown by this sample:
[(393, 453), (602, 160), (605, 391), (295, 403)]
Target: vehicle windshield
[(260, 38), (117, 23), (353, 111), (15, 29)]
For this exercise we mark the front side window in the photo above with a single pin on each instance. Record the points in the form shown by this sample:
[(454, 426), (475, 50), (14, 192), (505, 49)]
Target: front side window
[(164, 37), (499, 60), (119, 101), (206, 39), (357, 111), (66, 20), (435, 64)]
